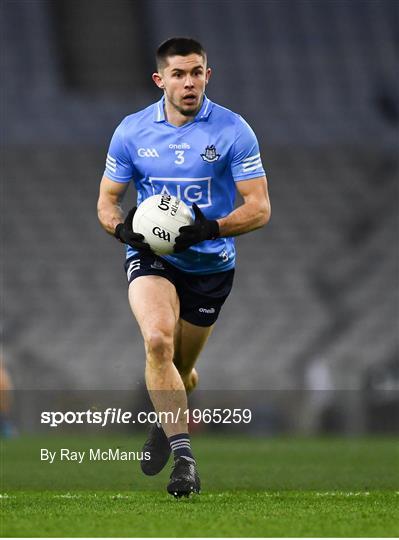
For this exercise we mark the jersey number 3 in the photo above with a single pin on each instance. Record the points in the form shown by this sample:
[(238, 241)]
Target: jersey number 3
[(179, 157)]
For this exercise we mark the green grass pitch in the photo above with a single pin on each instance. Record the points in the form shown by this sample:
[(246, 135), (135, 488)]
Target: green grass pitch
[(251, 487)]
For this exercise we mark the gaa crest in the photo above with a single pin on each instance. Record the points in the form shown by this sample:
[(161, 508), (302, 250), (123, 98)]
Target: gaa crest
[(210, 155)]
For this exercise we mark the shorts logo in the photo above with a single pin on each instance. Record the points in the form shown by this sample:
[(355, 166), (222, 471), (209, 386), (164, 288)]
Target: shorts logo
[(157, 265), (189, 190), (205, 310), (161, 233), (147, 152), (133, 266), (210, 155)]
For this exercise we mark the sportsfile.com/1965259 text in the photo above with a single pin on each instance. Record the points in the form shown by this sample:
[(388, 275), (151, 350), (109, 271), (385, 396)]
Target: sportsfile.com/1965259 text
[(113, 415)]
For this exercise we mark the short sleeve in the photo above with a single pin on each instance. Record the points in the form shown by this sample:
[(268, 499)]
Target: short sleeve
[(118, 165), (246, 161)]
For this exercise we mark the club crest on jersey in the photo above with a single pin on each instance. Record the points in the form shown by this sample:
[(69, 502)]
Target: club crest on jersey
[(210, 155)]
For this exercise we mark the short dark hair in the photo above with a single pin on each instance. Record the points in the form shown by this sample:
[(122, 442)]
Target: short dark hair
[(178, 46)]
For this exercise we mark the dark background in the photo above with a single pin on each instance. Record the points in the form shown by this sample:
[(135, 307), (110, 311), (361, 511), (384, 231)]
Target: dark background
[(314, 310)]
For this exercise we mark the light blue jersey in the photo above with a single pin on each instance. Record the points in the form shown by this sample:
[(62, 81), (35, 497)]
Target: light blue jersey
[(197, 162)]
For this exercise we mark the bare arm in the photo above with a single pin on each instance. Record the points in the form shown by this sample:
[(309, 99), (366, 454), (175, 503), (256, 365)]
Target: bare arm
[(109, 209), (253, 214)]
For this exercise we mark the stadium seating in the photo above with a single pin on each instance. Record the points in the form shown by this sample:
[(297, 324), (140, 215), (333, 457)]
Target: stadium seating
[(318, 282), (296, 280)]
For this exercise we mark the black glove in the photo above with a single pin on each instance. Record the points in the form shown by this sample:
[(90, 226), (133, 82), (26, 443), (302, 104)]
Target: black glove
[(202, 229), (124, 233)]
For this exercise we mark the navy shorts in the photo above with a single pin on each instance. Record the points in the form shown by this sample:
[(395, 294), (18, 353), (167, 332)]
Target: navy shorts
[(201, 295)]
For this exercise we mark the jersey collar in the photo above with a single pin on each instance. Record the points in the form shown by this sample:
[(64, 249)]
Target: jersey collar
[(205, 110), (203, 113)]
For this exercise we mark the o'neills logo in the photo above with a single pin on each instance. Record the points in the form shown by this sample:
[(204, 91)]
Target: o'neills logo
[(161, 233), (164, 204), (182, 146), (205, 310)]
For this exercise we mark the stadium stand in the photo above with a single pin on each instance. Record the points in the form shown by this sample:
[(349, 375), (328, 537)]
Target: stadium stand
[(316, 81)]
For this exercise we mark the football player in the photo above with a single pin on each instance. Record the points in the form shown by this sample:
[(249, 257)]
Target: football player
[(190, 147)]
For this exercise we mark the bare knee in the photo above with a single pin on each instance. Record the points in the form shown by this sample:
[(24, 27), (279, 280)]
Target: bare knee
[(159, 345)]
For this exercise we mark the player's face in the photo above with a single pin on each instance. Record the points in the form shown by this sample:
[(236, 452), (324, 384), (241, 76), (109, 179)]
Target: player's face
[(183, 81)]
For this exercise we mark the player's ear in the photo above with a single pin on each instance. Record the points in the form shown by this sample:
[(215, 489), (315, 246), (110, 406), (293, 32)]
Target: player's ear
[(157, 78), (208, 74)]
